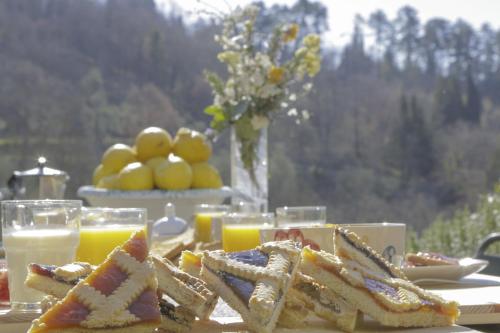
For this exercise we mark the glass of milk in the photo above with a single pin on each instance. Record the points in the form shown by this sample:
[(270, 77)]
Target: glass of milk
[(37, 231)]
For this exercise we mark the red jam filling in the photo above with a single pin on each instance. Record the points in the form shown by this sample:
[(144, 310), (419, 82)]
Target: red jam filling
[(137, 246), (107, 278), (146, 307)]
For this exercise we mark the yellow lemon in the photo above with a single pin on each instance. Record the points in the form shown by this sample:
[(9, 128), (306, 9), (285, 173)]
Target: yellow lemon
[(205, 176), (152, 142), (117, 157), (99, 172), (136, 176), (192, 146), (173, 174), (155, 161), (109, 182)]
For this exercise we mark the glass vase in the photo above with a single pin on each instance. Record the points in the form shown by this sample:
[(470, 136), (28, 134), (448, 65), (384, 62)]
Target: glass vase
[(250, 189)]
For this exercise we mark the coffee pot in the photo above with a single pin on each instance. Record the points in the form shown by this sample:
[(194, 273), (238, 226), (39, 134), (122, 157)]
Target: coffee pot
[(40, 182)]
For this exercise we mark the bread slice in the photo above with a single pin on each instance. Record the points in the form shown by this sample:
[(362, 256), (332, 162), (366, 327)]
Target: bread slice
[(118, 296), (390, 301), (189, 291), (175, 318), (325, 303), (255, 282), (56, 281), (430, 259), (349, 246), (190, 263), (295, 311)]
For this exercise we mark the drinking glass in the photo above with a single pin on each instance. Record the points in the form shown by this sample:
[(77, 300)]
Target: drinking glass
[(241, 231), (4, 284), (37, 231), (103, 229), (207, 222), (300, 216), (246, 207)]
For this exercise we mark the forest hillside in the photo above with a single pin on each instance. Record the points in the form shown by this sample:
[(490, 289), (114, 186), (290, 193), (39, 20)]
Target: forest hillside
[(404, 129)]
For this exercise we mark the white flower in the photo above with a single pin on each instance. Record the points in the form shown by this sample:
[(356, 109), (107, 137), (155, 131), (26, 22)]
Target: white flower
[(305, 115), (263, 60), (257, 78), (292, 112), (307, 86), (268, 90), (259, 122), (219, 100), (293, 97)]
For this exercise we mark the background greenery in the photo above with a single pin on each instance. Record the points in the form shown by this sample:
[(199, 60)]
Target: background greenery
[(405, 129)]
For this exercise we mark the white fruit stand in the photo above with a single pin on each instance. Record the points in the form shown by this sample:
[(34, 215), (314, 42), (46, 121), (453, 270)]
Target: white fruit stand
[(155, 200)]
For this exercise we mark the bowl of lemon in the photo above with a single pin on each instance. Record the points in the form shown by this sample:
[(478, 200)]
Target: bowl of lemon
[(158, 169)]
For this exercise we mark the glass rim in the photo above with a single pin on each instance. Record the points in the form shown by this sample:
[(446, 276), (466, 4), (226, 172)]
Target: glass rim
[(213, 206), (41, 202), (300, 208), (111, 209), (373, 224), (250, 215)]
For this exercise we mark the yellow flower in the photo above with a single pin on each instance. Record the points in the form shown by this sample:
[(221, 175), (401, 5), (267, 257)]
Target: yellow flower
[(300, 52), (229, 57), (291, 32), (312, 41), (276, 74), (313, 64)]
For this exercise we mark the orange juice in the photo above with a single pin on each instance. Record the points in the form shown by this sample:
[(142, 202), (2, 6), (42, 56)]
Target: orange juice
[(203, 224), (97, 242), (240, 237), (203, 227)]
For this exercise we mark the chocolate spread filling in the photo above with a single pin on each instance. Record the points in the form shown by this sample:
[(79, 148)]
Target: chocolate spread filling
[(169, 310), (379, 287), (251, 257), (48, 271), (314, 292), (45, 270), (368, 254), (241, 287)]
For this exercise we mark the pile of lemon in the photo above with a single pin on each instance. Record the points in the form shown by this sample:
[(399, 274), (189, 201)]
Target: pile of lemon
[(158, 161)]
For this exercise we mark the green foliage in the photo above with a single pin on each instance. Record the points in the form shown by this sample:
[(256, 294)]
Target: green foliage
[(461, 234)]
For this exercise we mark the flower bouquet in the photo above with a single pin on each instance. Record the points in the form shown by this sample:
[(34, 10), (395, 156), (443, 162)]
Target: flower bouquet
[(265, 74)]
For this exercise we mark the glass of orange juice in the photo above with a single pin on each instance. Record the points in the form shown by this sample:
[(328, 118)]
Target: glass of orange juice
[(207, 221), (240, 231), (103, 229)]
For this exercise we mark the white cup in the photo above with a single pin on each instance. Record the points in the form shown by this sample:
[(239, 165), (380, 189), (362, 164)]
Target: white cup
[(388, 239)]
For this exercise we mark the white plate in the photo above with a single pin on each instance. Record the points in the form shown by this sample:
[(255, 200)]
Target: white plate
[(465, 267)]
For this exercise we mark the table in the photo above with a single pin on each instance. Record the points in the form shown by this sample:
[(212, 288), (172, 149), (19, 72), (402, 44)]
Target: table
[(234, 324), (478, 296)]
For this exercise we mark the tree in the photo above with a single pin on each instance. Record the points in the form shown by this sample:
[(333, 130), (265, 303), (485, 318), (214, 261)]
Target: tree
[(435, 42), (448, 100), (383, 31), (407, 26), (473, 105), (411, 150), (464, 46), (354, 59)]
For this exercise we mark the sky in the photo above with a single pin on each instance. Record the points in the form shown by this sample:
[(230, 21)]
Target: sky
[(342, 12)]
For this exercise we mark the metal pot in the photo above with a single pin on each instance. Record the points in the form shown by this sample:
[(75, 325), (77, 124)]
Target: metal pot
[(39, 183)]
